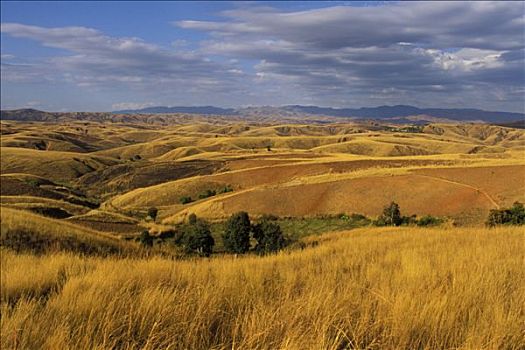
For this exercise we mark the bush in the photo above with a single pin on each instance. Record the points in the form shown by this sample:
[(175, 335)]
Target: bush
[(380, 221), (343, 216), (185, 200), (514, 215), (358, 217), (409, 220), (198, 238), (208, 193), (167, 234), (152, 213), (146, 239), (269, 237), (225, 189), (236, 236), (429, 220), (192, 219)]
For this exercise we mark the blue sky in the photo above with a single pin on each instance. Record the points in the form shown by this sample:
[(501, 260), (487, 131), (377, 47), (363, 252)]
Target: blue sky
[(100, 56)]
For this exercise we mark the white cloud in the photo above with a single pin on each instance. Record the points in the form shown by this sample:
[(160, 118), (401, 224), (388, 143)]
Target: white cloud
[(131, 105), (100, 60), (408, 51), (422, 53)]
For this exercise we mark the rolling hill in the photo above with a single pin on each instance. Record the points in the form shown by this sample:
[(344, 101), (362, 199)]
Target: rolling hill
[(67, 169), (394, 114)]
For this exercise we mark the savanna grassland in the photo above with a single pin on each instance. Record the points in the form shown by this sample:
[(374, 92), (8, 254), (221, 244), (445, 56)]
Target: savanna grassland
[(382, 288), (77, 198)]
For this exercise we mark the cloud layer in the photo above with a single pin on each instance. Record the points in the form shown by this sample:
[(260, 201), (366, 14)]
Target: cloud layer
[(448, 52), (429, 54)]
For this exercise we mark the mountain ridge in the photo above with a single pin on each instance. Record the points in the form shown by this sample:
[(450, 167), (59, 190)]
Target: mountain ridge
[(379, 112), (394, 114)]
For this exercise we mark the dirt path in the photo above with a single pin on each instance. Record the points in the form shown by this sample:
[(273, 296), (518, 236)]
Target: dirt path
[(464, 185)]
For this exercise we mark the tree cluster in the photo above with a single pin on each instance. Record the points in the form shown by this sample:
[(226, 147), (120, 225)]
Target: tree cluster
[(266, 232), (514, 215), (197, 237), (391, 216)]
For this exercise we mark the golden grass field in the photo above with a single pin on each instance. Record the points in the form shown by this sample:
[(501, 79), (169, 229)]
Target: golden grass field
[(383, 288), (74, 197)]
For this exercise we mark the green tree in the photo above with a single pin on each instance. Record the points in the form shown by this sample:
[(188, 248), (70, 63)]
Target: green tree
[(236, 236), (198, 238), (392, 215), (517, 214), (514, 215), (269, 237)]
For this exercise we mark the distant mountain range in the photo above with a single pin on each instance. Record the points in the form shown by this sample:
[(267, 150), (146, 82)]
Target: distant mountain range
[(390, 114), (381, 112)]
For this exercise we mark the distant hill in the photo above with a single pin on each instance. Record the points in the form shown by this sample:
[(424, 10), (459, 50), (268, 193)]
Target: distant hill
[(393, 114), (401, 111), (381, 112), (27, 114), (519, 124)]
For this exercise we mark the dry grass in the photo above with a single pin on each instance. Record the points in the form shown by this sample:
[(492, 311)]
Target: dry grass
[(24, 231), (369, 289), (52, 165), (339, 183)]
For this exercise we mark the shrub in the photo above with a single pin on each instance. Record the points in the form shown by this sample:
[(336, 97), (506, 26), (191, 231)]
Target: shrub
[(208, 193), (269, 237), (152, 213), (198, 238), (236, 236), (170, 233), (514, 215), (409, 220), (185, 200), (343, 216), (225, 189), (146, 239), (380, 221), (359, 218), (192, 219), (429, 220)]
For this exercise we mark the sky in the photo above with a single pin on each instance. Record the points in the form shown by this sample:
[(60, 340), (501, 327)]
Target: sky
[(103, 56)]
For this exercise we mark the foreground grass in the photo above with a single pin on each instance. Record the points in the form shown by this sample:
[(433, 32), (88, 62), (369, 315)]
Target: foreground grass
[(373, 288)]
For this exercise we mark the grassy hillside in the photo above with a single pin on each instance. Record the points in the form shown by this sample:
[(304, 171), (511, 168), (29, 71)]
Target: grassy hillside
[(75, 277), (390, 288), (22, 231), (272, 167), (52, 165)]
